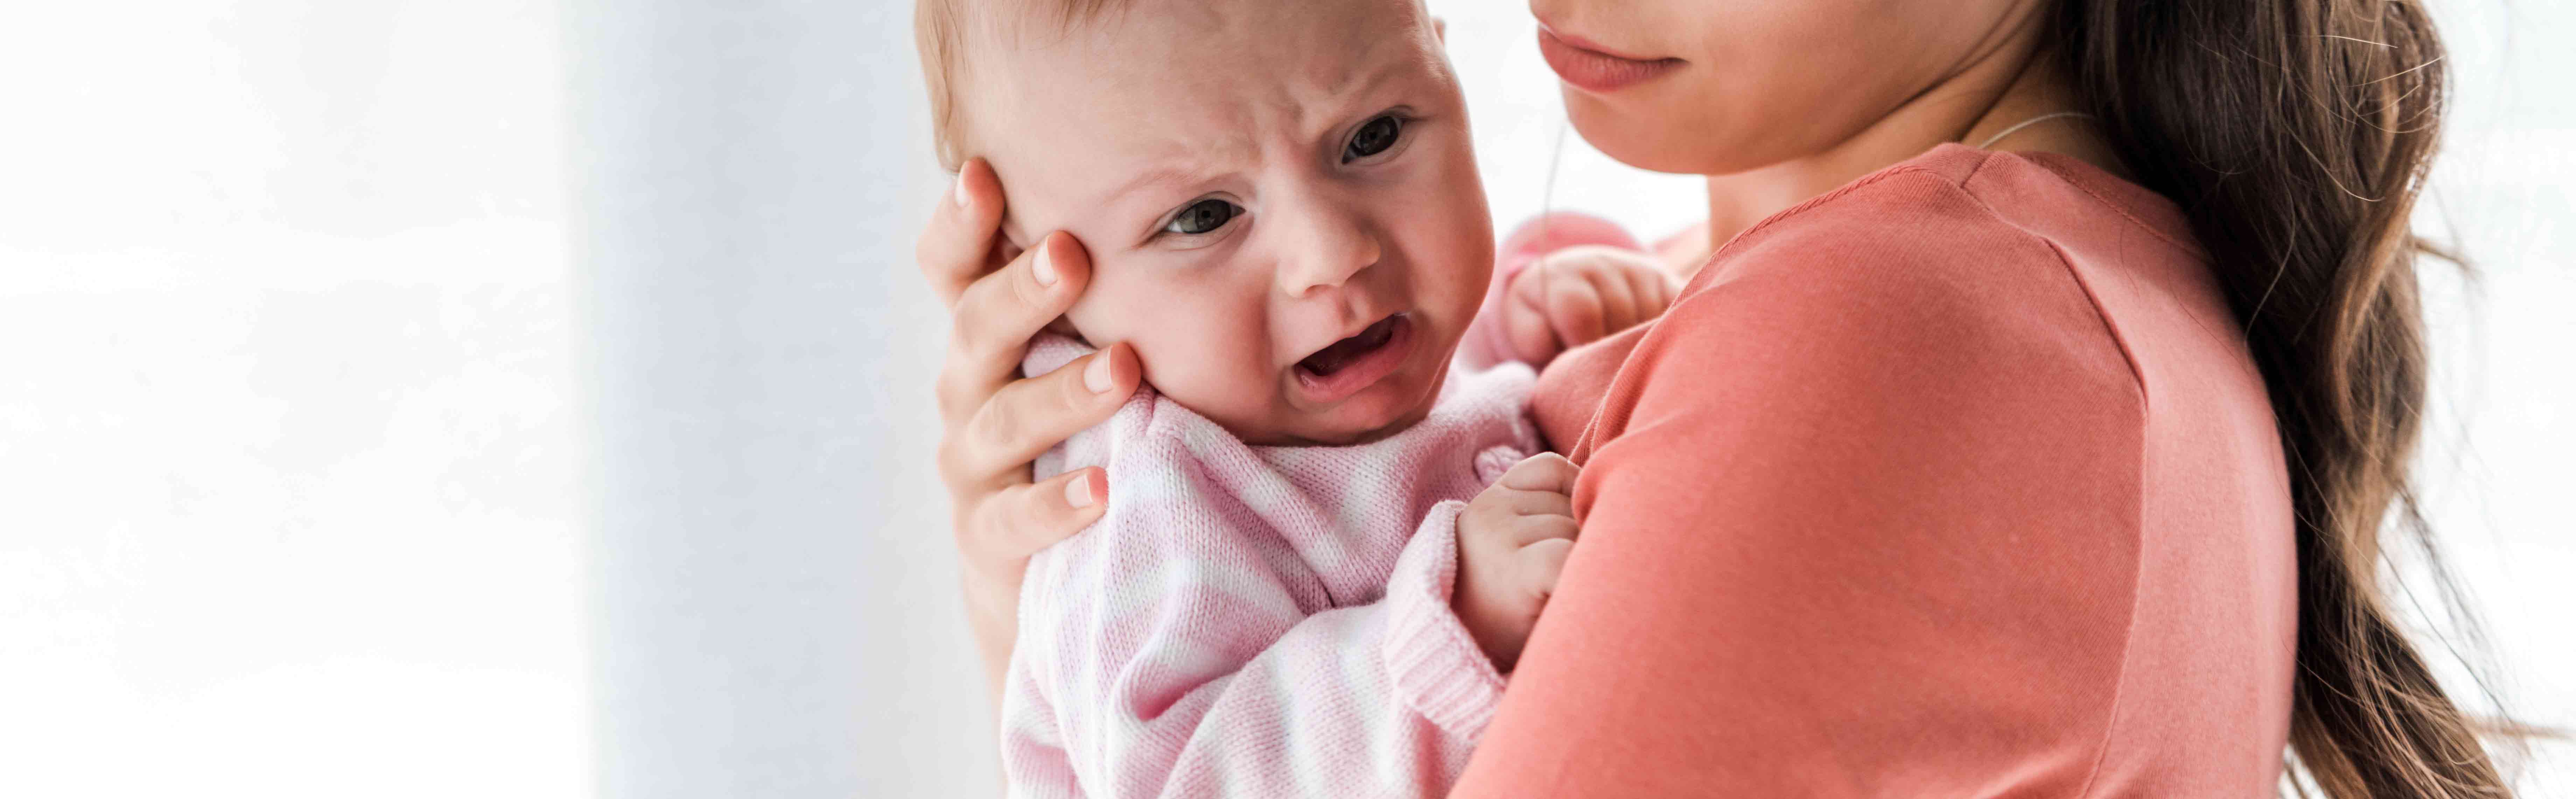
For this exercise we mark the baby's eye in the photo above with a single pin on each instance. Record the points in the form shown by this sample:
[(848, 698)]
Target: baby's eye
[(1373, 137), (1203, 216)]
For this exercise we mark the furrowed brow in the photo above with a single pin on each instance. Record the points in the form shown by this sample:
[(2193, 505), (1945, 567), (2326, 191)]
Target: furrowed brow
[(1152, 177)]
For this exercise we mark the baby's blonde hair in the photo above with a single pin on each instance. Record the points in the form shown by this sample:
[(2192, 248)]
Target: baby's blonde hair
[(939, 31)]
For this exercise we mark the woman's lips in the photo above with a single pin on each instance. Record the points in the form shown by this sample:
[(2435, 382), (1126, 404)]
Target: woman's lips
[(1361, 369), (1576, 62)]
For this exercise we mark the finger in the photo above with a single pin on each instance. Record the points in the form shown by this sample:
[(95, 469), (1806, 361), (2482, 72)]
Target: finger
[(956, 247), (1527, 530), (1540, 564), (1653, 287), (1525, 317), (1619, 305), (1018, 521), (1546, 471), (1574, 310), (1523, 502), (1026, 417), (996, 316)]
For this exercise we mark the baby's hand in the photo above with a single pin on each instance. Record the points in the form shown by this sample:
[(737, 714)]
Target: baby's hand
[(1581, 294), (1512, 541)]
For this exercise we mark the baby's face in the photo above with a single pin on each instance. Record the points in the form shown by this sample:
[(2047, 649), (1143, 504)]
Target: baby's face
[(1278, 198)]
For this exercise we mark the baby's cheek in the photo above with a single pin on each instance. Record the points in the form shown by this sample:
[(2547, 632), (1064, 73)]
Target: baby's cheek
[(1456, 268), (1454, 246), (1209, 356), (1226, 347)]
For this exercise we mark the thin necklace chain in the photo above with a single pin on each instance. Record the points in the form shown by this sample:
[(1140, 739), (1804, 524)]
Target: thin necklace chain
[(2016, 128)]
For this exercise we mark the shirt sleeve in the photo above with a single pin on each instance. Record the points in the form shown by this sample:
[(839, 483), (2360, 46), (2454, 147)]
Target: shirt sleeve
[(1860, 528), (1167, 651)]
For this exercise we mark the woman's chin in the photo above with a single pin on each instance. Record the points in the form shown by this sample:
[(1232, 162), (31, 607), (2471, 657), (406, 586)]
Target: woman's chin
[(1649, 143)]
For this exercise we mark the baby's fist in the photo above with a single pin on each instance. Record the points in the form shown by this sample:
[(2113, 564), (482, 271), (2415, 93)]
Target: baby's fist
[(1579, 295), (1512, 542)]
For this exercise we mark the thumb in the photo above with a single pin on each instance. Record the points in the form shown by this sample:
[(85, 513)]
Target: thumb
[(1525, 322)]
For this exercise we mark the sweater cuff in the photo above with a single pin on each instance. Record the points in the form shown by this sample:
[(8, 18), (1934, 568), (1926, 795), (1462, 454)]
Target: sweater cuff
[(1435, 665)]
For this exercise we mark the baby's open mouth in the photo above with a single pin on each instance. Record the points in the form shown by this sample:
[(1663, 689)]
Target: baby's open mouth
[(1351, 350), (1353, 364)]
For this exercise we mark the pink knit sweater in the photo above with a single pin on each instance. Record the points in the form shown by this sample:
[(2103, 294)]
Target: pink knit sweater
[(1259, 621)]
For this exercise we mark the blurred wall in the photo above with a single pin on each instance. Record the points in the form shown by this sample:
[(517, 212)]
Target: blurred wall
[(775, 602), (286, 389)]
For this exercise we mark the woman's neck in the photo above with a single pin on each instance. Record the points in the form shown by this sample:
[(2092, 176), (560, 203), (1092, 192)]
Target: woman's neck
[(2009, 84)]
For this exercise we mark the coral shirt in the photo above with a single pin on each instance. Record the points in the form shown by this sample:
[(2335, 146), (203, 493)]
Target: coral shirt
[(1957, 481)]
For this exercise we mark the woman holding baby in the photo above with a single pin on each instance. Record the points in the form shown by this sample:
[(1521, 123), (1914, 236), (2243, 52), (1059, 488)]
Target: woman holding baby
[(2024, 423)]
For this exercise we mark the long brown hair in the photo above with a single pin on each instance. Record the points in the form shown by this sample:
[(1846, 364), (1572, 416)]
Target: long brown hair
[(2296, 135)]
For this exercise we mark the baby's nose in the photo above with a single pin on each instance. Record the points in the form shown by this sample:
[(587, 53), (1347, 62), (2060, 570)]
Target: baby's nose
[(1328, 253)]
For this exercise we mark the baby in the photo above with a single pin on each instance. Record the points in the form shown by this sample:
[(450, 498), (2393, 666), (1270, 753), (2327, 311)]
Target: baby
[(1289, 592)]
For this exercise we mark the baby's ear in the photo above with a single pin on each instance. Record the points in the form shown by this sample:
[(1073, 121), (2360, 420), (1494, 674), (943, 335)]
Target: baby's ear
[(1440, 30)]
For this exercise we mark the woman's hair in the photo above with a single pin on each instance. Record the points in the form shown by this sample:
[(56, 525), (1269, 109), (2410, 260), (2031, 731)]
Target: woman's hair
[(2295, 134)]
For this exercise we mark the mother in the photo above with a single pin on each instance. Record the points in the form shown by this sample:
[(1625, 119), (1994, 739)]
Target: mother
[(2050, 467)]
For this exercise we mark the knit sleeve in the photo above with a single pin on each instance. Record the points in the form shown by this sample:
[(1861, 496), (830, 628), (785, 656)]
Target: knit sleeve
[(1166, 652)]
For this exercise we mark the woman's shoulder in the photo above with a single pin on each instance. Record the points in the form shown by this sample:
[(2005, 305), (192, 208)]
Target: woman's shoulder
[(1957, 248), (1919, 277), (1952, 219), (1954, 194), (1964, 249)]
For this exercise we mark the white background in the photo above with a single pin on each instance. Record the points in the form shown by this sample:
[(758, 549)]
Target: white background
[(505, 399)]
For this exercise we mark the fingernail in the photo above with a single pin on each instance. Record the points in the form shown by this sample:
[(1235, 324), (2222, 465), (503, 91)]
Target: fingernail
[(1044, 266), (1077, 492), (1096, 376), (960, 193)]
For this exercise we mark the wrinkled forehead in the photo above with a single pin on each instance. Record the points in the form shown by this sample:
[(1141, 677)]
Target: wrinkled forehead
[(1309, 41), (1151, 79)]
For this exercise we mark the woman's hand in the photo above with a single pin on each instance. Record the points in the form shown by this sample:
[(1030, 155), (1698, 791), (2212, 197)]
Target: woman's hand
[(995, 421)]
